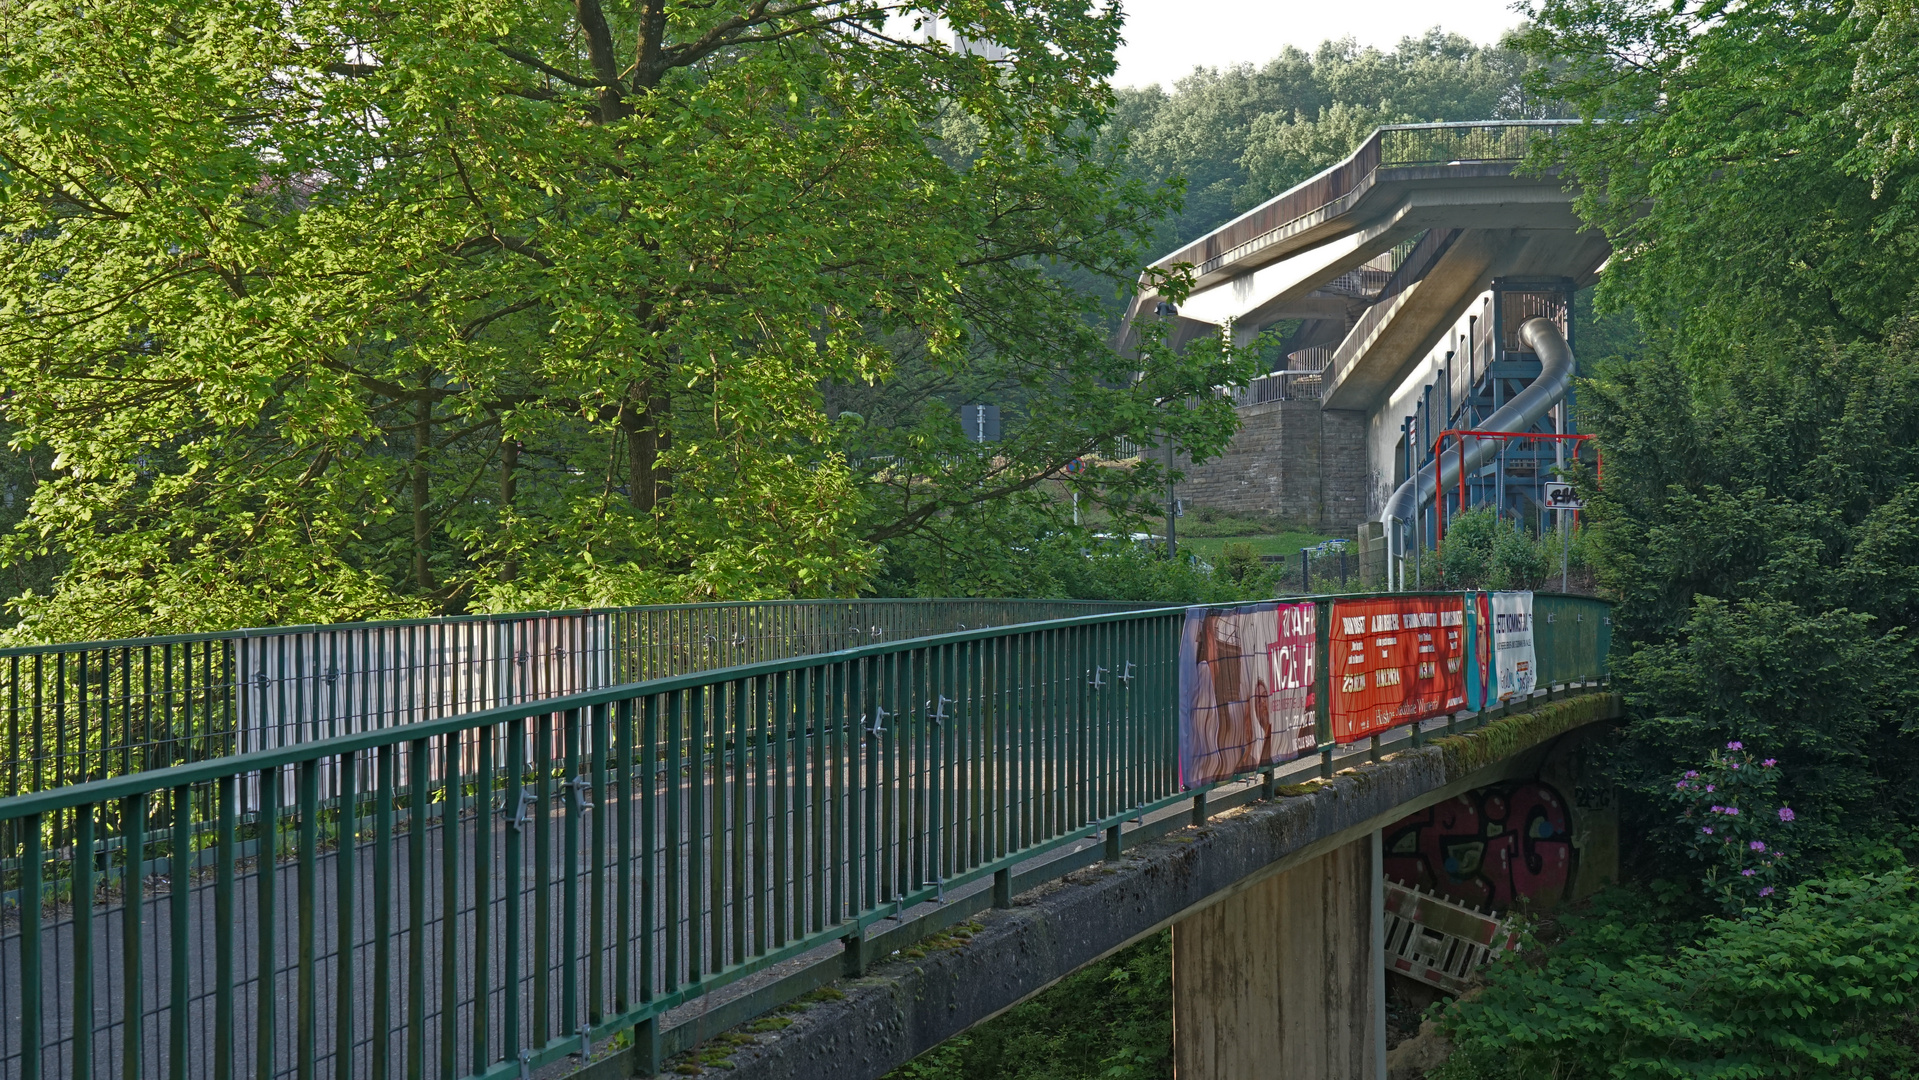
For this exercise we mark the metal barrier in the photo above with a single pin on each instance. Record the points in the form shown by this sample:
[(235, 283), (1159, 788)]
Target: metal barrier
[(1277, 386), (487, 893), (76, 712), (1572, 636), (1334, 190)]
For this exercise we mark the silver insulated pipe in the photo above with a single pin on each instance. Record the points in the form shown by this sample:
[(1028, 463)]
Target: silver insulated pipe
[(1525, 409)]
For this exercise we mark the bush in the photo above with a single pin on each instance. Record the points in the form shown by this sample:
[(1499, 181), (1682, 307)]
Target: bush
[(1481, 551), (1825, 985), (1733, 825)]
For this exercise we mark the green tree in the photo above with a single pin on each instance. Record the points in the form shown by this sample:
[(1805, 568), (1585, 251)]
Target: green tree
[(1758, 532), (1750, 169), (1826, 985), (1757, 523), (332, 308)]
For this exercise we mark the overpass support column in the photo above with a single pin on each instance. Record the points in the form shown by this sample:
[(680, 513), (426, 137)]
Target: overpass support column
[(1286, 978)]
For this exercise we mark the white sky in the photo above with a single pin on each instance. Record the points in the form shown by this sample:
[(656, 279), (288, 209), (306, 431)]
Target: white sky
[(1166, 39)]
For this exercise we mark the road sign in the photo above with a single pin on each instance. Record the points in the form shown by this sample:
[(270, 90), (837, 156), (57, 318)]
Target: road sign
[(981, 422), (1561, 496), (1075, 467)]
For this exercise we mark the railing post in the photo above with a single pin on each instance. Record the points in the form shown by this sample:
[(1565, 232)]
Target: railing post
[(1003, 888), (1323, 685), (31, 899), (853, 958), (1112, 842), (646, 1047)]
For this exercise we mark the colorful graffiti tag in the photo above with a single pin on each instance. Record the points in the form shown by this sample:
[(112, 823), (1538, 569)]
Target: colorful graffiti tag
[(1487, 847)]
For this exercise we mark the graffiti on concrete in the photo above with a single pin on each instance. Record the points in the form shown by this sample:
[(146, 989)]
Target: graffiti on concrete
[(1487, 847)]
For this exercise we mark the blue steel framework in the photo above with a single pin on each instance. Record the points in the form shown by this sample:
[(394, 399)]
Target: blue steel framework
[(488, 893), (1495, 366)]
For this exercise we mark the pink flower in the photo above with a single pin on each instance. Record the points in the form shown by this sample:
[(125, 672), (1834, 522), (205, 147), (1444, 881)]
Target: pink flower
[(1785, 813), (1732, 810), (1707, 829), (1767, 891), (1692, 774), (1708, 787), (1770, 762), (1745, 873), (1735, 764), (1757, 845), (1718, 809), (1735, 746)]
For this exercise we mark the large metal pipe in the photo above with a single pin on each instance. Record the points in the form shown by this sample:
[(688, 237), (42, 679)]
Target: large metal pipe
[(1525, 409)]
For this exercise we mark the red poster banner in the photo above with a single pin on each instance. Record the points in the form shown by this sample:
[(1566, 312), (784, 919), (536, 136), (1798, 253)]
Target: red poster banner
[(1395, 661)]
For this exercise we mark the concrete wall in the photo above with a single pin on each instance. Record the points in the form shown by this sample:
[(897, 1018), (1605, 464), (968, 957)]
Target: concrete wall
[(1285, 978), (1291, 459), (1576, 769)]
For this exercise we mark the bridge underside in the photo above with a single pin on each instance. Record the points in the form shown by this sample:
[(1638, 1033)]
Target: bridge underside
[(1173, 875)]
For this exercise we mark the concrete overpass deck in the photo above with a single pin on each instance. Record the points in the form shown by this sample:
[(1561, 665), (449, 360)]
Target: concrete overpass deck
[(1448, 206)]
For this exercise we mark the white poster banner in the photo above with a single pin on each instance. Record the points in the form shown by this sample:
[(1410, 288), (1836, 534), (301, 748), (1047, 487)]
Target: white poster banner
[(1513, 657)]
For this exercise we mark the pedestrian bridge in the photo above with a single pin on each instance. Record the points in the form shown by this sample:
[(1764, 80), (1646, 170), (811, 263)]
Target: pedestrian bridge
[(584, 843)]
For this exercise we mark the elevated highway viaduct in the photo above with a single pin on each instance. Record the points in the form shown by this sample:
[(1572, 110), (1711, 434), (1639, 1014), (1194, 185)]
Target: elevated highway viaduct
[(1402, 276)]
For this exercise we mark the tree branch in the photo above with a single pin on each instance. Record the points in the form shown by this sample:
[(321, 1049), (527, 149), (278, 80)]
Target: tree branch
[(545, 68)]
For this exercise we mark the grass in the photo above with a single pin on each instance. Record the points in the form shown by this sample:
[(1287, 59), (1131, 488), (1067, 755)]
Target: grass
[(1206, 531), (1209, 547)]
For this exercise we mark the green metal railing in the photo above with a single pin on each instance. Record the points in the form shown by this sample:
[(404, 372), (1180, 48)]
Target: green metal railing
[(77, 712), (1572, 637), (487, 893)]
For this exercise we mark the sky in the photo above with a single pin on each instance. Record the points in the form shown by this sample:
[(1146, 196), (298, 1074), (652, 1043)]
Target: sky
[(1166, 39)]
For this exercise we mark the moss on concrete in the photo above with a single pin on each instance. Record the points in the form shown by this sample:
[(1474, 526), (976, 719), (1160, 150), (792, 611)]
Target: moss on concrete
[(1502, 738)]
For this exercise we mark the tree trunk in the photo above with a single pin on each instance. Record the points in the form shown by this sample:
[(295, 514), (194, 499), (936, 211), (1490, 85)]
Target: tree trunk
[(509, 486), (422, 521), (643, 420)]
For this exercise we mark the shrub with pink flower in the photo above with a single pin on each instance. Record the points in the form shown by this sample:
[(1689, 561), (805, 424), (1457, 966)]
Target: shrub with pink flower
[(1736, 827)]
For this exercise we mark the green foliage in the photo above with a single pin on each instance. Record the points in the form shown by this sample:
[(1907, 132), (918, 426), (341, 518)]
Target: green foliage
[(1759, 533), (1733, 825), (1483, 551), (1824, 985), (1760, 188), (1113, 1018), (1028, 554), (329, 308), (1759, 524)]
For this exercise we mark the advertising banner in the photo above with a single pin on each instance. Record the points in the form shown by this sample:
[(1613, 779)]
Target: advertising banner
[(1516, 669), (1245, 689), (1395, 661)]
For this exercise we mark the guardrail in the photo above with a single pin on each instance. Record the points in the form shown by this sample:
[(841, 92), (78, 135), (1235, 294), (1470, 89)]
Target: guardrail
[(84, 711), (484, 894), (1277, 386), (1333, 190), (1424, 255)]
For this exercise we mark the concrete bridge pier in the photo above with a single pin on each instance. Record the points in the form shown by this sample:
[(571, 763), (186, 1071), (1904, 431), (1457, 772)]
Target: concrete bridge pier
[(1286, 977)]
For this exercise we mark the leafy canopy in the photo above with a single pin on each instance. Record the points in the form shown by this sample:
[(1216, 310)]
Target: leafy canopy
[(335, 308)]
